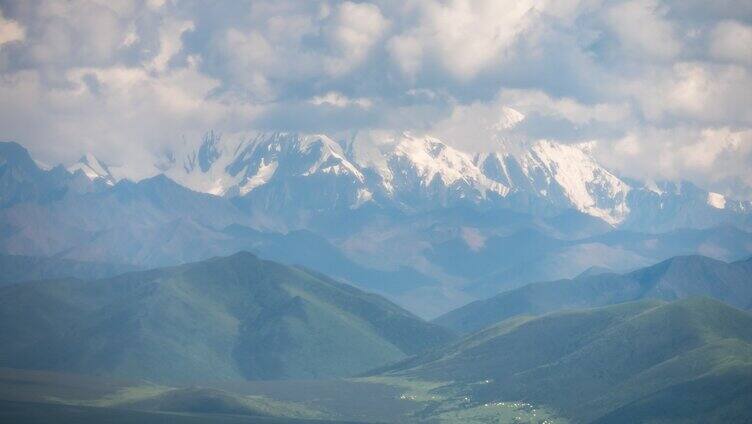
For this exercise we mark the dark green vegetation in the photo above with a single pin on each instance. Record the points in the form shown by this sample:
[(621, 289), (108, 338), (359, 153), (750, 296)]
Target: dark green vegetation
[(646, 361), (17, 268), (232, 318), (672, 279)]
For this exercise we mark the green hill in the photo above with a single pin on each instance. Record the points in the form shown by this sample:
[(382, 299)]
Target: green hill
[(673, 279), (228, 318), (644, 361)]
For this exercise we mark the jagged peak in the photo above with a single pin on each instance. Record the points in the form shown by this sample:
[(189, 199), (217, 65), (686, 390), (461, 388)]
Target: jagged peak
[(94, 169)]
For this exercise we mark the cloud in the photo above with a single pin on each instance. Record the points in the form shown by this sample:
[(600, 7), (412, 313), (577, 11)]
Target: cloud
[(335, 99), (712, 156), (732, 40), (169, 42), (695, 91), (642, 29), (10, 31), (463, 36), (354, 30), (662, 84)]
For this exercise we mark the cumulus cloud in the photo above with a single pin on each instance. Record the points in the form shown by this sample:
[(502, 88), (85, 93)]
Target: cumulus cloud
[(463, 36), (663, 86), (354, 30), (716, 156), (697, 91)]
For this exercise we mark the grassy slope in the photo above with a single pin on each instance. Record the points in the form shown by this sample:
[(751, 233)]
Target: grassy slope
[(221, 319), (587, 364)]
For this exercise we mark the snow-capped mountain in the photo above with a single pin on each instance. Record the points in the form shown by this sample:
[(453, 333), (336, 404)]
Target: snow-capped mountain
[(302, 173), (410, 172), (235, 169), (564, 175), (93, 169), (276, 171), (423, 172)]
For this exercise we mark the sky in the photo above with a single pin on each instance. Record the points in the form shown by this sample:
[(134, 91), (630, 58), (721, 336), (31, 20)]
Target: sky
[(664, 88)]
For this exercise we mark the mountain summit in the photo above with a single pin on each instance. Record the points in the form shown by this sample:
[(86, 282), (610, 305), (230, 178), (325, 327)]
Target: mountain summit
[(93, 169)]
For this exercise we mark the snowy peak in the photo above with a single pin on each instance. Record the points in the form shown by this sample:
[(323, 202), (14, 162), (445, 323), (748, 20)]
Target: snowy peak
[(431, 158), (93, 169), (589, 187), (563, 175), (428, 164), (306, 155), (235, 169), (508, 119)]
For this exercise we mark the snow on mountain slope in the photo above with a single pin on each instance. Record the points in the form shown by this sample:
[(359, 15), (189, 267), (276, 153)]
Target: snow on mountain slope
[(279, 171), (415, 170), (429, 158), (203, 169), (589, 187), (716, 200), (232, 169), (566, 175), (93, 169)]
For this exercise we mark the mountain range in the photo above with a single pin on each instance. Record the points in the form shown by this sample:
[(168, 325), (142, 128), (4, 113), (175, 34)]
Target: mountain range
[(231, 318), (298, 175), (673, 279), (434, 228), (205, 339)]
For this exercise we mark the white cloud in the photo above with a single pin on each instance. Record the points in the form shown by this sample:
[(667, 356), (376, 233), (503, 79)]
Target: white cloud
[(336, 99), (657, 82), (478, 126), (10, 30), (695, 91), (481, 126), (704, 155), (169, 42), (569, 109), (355, 30), (463, 36), (642, 29), (732, 40), (407, 51)]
